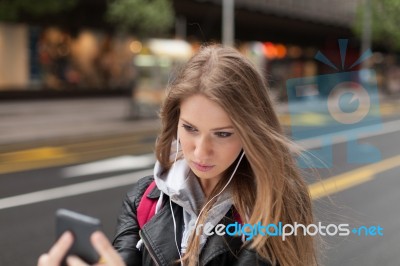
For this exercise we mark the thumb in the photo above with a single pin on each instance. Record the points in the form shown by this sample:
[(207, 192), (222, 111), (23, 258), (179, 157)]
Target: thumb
[(106, 250)]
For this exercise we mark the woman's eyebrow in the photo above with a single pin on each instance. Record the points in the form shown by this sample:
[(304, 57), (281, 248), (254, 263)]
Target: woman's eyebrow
[(214, 129)]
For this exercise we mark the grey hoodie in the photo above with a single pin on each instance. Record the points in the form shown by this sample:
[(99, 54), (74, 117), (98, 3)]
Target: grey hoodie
[(184, 189)]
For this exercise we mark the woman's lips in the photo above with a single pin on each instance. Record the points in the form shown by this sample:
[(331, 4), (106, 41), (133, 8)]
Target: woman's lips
[(202, 167)]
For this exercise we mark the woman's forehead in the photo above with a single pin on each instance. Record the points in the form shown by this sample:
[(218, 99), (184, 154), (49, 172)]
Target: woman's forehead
[(200, 111)]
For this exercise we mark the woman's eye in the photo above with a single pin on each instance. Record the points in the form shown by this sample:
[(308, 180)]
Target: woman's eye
[(188, 128), (223, 134)]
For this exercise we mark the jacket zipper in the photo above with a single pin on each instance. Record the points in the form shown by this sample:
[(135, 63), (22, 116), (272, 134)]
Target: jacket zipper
[(149, 249)]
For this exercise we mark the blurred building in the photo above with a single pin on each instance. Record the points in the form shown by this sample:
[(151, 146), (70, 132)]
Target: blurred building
[(78, 52), (302, 22)]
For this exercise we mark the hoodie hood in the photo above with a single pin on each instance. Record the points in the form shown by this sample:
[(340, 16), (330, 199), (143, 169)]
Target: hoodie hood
[(181, 185), (184, 189)]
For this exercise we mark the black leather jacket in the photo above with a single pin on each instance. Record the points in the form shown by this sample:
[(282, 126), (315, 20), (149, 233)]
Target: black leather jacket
[(159, 239)]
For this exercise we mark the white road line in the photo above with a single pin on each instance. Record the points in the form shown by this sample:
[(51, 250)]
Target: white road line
[(73, 190), (342, 136), (110, 165)]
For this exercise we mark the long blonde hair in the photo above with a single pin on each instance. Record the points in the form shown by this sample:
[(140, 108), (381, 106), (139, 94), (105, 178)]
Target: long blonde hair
[(267, 186)]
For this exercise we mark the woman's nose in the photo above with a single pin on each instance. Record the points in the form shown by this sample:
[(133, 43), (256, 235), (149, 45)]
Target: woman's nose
[(203, 148)]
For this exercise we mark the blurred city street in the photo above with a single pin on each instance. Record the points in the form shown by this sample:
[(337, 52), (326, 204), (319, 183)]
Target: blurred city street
[(59, 129), (84, 154), (81, 83)]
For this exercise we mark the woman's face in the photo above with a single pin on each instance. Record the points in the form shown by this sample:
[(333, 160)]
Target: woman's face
[(208, 140)]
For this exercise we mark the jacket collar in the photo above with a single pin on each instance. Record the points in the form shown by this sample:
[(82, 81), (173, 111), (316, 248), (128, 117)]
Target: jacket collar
[(159, 236), (217, 245), (154, 193)]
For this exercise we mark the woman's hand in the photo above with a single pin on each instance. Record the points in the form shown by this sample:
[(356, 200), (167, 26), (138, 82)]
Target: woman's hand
[(57, 251), (108, 254)]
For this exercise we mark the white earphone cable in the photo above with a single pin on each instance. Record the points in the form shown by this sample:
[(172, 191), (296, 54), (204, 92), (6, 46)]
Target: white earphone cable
[(170, 202)]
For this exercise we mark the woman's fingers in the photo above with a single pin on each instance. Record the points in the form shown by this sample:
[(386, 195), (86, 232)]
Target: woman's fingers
[(44, 260), (106, 251), (57, 251), (60, 248), (75, 261)]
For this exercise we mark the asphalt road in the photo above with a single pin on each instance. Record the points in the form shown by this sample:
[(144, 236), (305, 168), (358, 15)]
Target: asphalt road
[(369, 202), (368, 196)]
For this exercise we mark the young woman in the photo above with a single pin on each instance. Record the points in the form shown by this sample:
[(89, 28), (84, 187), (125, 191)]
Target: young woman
[(222, 159), (232, 158)]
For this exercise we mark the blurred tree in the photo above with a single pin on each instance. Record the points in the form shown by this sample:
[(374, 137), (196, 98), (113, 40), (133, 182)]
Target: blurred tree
[(385, 22), (12, 10), (145, 16)]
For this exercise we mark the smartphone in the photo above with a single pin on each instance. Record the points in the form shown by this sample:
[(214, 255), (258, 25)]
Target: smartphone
[(82, 227)]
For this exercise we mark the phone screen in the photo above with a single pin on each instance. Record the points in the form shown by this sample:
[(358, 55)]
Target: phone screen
[(82, 227)]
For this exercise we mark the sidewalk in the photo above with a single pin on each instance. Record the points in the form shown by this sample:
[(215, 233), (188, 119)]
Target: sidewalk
[(37, 123)]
